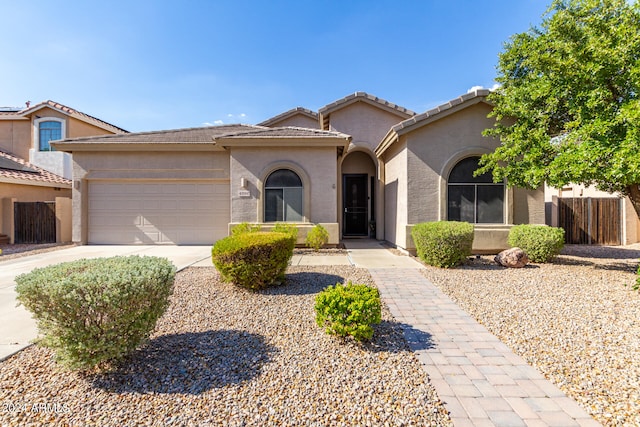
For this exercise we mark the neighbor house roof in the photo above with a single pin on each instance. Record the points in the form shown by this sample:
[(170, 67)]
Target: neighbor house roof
[(362, 97), (437, 113), (14, 170), (22, 115), (298, 111), (198, 136)]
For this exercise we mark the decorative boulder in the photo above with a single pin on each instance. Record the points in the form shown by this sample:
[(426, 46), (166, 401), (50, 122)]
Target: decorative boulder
[(513, 258)]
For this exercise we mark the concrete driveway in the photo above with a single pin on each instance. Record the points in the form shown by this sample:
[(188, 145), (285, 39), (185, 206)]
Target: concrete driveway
[(18, 329)]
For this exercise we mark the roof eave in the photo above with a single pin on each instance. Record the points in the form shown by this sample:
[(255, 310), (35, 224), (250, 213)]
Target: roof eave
[(70, 146), (292, 141), (6, 180)]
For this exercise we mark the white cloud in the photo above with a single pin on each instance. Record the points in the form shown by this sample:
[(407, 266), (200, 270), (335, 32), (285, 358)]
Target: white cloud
[(478, 87), (218, 122), (207, 124)]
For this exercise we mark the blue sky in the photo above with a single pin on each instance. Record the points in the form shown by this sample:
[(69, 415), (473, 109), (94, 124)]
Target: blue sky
[(150, 65)]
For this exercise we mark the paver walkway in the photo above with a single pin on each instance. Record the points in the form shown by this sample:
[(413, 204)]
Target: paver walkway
[(480, 380)]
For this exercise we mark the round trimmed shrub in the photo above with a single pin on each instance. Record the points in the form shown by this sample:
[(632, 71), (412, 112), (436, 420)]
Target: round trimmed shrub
[(348, 310), (540, 242), (443, 243), (317, 237), (253, 260), (93, 312)]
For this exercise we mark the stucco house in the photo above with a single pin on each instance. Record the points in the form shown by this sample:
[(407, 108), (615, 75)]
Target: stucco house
[(360, 166), (30, 170)]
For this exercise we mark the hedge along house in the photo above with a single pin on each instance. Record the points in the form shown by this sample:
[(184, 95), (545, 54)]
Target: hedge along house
[(361, 166)]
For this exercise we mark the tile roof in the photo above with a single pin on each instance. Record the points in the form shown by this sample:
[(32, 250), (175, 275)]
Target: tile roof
[(419, 120), (22, 113), (13, 168), (285, 132), (363, 96), (187, 135), (478, 94), (290, 113)]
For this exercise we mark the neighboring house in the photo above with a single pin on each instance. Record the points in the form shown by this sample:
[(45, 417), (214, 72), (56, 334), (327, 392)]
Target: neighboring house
[(361, 166), (591, 216), (30, 170)]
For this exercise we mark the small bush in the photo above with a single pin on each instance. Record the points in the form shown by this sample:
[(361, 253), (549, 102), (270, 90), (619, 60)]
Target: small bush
[(95, 312), (636, 287), (283, 227), (348, 310), (443, 243), (317, 237), (245, 227), (253, 260), (540, 242)]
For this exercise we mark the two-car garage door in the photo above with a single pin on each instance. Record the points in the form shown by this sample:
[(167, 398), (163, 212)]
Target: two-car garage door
[(150, 212)]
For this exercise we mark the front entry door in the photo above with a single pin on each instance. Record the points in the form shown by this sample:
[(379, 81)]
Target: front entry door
[(355, 203)]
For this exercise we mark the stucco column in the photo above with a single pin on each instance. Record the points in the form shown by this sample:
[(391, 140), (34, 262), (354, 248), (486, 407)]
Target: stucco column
[(380, 201)]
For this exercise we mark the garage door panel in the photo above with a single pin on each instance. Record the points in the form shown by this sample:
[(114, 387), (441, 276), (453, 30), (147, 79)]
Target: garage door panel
[(151, 212)]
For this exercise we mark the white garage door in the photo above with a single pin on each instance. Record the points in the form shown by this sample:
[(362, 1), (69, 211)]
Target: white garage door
[(158, 212)]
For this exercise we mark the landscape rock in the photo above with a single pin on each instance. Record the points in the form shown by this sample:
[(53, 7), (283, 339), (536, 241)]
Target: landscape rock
[(512, 258)]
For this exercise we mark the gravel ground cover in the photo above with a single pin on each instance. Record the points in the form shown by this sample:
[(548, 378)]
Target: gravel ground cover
[(577, 320), (222, 355), (18, 250)]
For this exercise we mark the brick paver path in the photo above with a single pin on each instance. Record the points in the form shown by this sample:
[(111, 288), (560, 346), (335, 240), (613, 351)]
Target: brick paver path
[(480, 381)]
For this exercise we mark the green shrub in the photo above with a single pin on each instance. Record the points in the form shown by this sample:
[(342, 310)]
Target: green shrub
[(253, 260), (317, 237), (245, 227), (93, 312), (283, 227), (348, 310), (540, 242), (636, 287), (443, 243)]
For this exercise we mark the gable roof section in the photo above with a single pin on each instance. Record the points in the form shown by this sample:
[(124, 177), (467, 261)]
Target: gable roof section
[(326, 111), (291, 113), (288, 136), (22, 115), (430, 116), (14, 170), (200, 136)]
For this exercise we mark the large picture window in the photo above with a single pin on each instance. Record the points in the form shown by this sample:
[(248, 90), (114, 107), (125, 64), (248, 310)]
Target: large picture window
[(475, 199), (48, 131), (283, 197)]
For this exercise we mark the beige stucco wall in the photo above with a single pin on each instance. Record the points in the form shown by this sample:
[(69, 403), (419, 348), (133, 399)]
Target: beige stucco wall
[(317, 167), (10, 193), (366, 124), (395, 194), (15, 137), (431, 152), (298, 120), (139, 166)]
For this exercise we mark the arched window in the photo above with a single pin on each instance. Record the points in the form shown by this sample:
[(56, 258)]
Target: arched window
[(475, 199), (48, 130), (283, 197)]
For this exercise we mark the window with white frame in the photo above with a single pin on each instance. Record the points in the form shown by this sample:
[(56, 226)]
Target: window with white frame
[(47, 130), (474, 199), (283, 197)]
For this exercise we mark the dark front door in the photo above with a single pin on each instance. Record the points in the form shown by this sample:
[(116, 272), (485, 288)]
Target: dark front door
[(355, 203)]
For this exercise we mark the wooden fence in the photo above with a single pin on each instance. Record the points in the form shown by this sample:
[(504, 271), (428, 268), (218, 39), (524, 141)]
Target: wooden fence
[(588, 220), (35, 222)]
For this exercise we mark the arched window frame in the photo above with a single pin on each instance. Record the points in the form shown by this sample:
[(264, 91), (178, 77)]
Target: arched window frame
[(40, 145), (291, 196), (480, 192)]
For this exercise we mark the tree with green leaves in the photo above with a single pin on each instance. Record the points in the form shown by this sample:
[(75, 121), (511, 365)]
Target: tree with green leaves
[(568, 105)]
